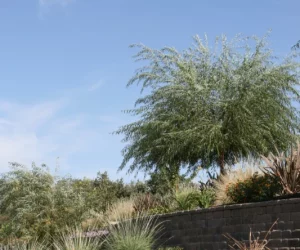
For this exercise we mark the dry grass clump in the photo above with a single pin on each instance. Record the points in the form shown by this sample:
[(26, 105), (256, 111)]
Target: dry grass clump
[(238, 174), (253, 244), (122, 209)]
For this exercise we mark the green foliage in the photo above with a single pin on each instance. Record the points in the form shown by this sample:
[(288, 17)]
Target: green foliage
[(256, 188), (153, 204), (77, 240), (145, 202), (207, 106), (206, 197), (186, 198), (190, 197), (285, 170), (36, 204), (163, 182), (171, 248), (34, 245), (134, 234)]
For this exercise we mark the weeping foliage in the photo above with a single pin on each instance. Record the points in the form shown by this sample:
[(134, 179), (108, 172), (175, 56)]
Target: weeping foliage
[(206, 106)]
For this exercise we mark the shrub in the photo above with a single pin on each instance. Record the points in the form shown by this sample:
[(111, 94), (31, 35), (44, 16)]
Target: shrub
[(285, 169), (145, 202), (165, 205), (255, 188), (190, 197), (206, 197), (186, 198), (36, 204), (134, 234), (233, 176)]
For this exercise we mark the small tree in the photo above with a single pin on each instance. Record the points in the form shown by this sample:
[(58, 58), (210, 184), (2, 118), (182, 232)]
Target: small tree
[(210, 106)]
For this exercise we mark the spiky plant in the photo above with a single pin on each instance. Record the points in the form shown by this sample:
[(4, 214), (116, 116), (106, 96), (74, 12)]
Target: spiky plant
[(286, 169), (76, 239), (253, 243), (140, 233)]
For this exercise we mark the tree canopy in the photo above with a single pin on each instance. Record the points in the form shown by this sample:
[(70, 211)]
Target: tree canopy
[(210, 105), (296, 46)]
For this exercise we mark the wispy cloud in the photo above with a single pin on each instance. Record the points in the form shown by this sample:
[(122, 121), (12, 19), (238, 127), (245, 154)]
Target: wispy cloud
[(46, 6), (44, 3), (50, 130), (95, 86), (40, 133)]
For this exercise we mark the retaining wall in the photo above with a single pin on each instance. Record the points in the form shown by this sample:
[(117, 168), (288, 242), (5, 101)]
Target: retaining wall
[(203, 229)]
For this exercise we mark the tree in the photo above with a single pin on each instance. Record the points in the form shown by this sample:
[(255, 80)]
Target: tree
[(210, 106), (296, 46)]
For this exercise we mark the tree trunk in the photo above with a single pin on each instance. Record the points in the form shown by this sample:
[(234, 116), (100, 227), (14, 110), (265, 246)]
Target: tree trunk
[(222, 163)]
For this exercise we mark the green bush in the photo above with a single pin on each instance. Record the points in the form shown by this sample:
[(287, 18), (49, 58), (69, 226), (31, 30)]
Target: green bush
[(256, 188), (144, 202), (36, 204), (191, 197), (206, 197), (186, 198)]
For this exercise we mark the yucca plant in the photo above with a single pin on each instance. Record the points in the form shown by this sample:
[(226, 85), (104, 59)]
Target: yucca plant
[(140, 233), (286, 169), (253, 244)]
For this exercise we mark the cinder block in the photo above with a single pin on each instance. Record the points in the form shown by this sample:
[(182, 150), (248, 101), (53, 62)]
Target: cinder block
[(295, 216), (293, 243), (296, 233), (286, 234)]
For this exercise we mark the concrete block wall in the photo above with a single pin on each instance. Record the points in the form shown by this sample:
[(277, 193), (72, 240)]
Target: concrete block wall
[(204, 228)]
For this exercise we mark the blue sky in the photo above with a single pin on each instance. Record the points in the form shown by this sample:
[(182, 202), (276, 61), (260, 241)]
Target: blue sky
[(64, 65)]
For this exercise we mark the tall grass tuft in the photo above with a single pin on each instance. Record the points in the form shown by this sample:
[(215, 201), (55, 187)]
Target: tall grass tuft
[(123, 208), (139, 233), (240, 174), (33, 245), (76, 239)]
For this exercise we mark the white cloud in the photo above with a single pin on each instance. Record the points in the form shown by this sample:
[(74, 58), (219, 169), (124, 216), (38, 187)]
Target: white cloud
[(95, 86), (37, 133)]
